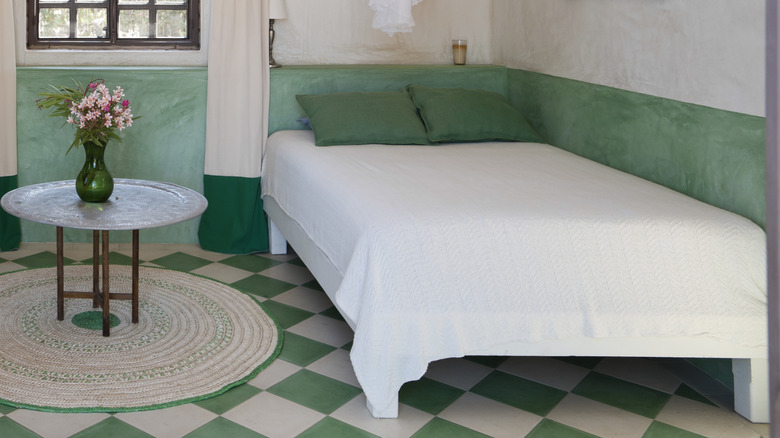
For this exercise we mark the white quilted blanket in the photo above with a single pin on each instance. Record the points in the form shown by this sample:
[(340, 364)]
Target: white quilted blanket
[(451, 249)]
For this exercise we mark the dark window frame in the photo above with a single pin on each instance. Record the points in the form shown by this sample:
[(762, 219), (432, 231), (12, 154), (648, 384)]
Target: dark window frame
[(113, 42)]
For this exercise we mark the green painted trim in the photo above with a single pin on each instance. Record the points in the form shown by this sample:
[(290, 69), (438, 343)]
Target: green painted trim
[(712, 155), (248, 377), (10, 226), (234, 221), (322, 79)]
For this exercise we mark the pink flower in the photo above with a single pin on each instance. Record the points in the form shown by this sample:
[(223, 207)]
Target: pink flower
[(125, 103)]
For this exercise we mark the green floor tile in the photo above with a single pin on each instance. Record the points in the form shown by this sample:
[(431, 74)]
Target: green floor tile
[(181, 262), (313, 285), (332, 312), (303, 351), (315, 391), (688, 392), (229, 400), (622, 394), (332, 428), (5, 409), (519, 392), (43, 259), (663, 430), (223, 428), (112, 427), (296, 261), (428, 395), (251, 263), (10, 428), (584, 362), (262, 286), (488, 361), (438, 428), (286, 316), (551, 429)]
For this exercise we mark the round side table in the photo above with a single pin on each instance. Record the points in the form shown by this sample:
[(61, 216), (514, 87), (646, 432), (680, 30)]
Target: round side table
[(134, 205)]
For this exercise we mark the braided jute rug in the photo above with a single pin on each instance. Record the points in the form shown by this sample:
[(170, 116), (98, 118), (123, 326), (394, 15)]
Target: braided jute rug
[(195, 338)]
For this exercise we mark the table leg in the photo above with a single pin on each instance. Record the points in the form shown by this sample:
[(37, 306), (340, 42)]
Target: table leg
[(60, 277), (95, 267), (135, 276), (106, 310)]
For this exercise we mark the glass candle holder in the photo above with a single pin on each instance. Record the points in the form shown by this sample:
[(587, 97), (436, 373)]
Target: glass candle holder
[(459, 51)]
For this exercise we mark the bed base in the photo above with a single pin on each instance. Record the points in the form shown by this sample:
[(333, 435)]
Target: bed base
[(749, 365)]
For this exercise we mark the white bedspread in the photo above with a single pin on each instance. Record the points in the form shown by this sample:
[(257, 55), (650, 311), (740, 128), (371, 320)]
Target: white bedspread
[(452, 249)]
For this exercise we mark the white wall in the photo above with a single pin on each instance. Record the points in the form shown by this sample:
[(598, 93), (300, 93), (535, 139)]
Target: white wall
[(340, 32), (708, 52)]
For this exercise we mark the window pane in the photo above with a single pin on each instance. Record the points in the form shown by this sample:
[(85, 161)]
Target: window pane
[(133, 24), (54, 1), (90, 1), (91, 23), (171, 24), (133, 2), (54, 23), (170, 2)]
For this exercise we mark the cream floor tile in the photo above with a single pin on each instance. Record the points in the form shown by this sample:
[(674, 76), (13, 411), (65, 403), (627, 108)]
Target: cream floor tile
[(337, 366), (707, 420), (324, 329), (223, 273), (274, 373), (305, 298), (458, 372), (171, 422), (27, 249), (290, 273), (409, 420), (490, 417), (640, 371), (599, 419), (273, 416), (10, 267), (197, 251), (545, 370), (55, 425)]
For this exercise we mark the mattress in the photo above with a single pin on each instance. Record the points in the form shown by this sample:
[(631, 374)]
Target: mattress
[(452, 249)]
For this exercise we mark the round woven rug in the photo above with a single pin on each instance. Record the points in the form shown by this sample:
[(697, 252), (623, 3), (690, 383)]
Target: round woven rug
[(195, 338)]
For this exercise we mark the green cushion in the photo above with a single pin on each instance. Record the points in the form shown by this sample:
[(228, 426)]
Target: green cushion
[(363, 118), (460, 115)]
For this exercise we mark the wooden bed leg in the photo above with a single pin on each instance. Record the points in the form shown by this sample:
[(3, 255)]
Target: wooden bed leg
[(391, 411), (751, 389), (277, 244)]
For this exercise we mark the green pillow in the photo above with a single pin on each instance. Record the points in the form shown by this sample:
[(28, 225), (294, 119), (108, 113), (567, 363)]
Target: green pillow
[(460, 115), (384, 117)]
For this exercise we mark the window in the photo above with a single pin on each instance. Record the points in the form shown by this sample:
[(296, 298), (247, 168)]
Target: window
[(113, 24)]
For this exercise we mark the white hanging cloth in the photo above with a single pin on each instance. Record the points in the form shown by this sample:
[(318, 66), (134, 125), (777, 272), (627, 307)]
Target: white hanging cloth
[(392, 16)]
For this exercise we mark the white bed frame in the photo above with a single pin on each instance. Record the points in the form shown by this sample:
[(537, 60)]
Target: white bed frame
[(749, 365)]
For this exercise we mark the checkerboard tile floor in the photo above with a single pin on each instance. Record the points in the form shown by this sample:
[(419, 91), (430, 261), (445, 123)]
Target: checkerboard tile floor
[(311, 391)]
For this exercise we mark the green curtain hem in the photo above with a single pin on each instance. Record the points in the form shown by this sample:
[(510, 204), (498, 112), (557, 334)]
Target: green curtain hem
[(234, 221), (10, 226)]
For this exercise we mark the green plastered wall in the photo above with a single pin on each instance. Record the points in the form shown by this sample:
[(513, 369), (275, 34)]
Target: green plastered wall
[(165, 144), (712, 155)]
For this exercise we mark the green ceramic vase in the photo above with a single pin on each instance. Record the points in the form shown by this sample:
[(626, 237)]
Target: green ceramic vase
[(94, 183)]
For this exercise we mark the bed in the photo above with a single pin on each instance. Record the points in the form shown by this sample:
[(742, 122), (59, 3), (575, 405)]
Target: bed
[(444, 249)]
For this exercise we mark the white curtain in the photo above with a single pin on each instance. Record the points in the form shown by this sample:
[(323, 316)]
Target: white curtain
[(237, 102), (236, 127), (7, 90)]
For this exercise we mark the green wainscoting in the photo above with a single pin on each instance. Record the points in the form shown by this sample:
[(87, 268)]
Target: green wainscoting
[(165, 144), (288, 81), (10, 228), (712, 155)]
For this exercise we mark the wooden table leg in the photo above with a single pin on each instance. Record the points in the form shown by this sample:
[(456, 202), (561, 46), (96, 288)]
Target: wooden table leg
[(106, 309), (95, 267), (135, 276), (60, 277)]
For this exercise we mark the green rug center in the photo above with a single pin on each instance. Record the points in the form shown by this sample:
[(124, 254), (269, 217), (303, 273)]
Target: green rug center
[(93, 320)]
